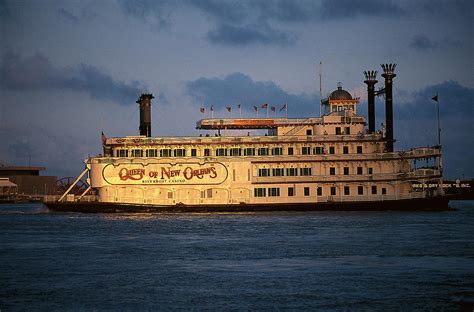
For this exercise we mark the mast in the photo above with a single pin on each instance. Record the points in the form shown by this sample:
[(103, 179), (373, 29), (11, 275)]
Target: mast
[(320, 89)]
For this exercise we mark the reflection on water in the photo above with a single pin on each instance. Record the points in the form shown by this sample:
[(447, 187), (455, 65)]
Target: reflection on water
[(236, 261)]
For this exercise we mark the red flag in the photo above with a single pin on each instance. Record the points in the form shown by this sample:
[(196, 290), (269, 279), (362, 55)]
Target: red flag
[(265, 105), (202, 109), (283, 107), (229, 108), (212, 107), (256, 108), (272, 108)]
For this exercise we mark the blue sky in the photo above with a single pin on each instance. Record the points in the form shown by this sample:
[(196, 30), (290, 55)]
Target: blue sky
[(70, 69)]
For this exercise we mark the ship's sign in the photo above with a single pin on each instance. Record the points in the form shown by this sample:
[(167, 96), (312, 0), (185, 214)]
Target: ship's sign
[(169, 174)]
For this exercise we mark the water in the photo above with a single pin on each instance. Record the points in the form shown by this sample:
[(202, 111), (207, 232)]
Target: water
[(267, 261)]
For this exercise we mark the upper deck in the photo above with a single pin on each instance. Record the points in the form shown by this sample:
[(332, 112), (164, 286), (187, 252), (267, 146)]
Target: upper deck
[(253, 123)]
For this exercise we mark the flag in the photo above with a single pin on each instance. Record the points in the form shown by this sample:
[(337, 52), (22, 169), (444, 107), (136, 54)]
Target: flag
[(212, 108), (283, 107), (256, 108), (265, 105), (103, 138), (202, 109), (272, 108), (229, 108), (435, 98), (238, 106)]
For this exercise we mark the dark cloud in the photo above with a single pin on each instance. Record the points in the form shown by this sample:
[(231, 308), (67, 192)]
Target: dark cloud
[(4, 10), (231, 35), (154, 12), (423, 43), (341, 9), (250, 22), (416, 124), (238, 88), (38, 73), (84, 15)]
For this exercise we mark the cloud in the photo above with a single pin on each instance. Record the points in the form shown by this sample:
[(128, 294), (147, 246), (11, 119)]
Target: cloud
[(344, 9), (230, 35), (38, 73), (4, 10), (416, 124), (155, 13), (238, 88), (258, 22), (76, 18), (422, 43)]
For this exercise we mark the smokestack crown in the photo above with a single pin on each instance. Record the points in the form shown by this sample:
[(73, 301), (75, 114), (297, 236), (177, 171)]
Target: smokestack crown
[(370, 76), (388, 70)]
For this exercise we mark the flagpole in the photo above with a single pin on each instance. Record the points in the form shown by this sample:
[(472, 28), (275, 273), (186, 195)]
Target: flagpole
[(286, 110), (240, 111), (267, 110), (439, 127)]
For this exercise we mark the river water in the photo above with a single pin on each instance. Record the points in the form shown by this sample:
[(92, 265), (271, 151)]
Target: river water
[(391, 261)]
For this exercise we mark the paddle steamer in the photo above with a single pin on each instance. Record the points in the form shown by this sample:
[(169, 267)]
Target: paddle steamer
[(329, 162)]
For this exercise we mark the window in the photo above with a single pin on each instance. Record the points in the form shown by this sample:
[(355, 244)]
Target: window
[(331, 150), (319, 191), (346, 190), (345, 149), (333, 190), (332, 171), (384, 191), (249, 151), (263, 151), (122, 153), (273, 191), (221, 152), (359, 170), (277, 151), (263, 172), (151, 153), (137, 153), (291, 172), (346, 170), (347, 130), (259, 192), (290, 150), (165, 152), (360, 190), (374, 189), (305, 171), (359, 149), (338, 130), (369, 171), (318, 150), (235, 152), (306, 150), (291, 191), (278, 172), (309, 132), (193, 152), (306, 191), (179, 152), (207, 152)]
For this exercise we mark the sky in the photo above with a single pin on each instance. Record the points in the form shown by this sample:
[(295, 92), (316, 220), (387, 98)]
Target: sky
[(72, 69)]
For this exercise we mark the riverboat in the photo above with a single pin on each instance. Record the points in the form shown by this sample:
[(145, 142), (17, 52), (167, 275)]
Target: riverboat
[(337, 161)]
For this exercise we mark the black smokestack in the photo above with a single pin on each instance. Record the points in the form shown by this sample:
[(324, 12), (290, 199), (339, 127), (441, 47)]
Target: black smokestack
[(389, 75), (370, 80), (145, 114)]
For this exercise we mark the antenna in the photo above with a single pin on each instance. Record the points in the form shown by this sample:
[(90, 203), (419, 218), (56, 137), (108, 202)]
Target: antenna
[(320, 89)]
